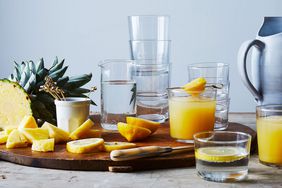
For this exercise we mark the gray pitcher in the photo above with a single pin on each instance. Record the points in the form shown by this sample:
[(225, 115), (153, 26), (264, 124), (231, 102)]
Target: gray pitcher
[(266, 62)]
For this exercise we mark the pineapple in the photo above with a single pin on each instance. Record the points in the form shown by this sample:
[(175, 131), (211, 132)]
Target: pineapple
[(20, 95)]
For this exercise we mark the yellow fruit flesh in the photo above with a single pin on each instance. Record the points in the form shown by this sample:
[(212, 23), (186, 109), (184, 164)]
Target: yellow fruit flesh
[(81, 130), (132, 132), (88, 145), (9, 129), (3, 137), (43, 145), (92, 133), (196, 86), (110, 146), (16, 140), (35, 134), (28, 122), (151, 125), (54, 132)]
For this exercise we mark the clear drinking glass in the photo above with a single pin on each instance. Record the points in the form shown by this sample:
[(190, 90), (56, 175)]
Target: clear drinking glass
[(190, 113), (152, 81), (149, 27), (151, 50), (217, 74), (269, 132), (118, 92), (222, 156)]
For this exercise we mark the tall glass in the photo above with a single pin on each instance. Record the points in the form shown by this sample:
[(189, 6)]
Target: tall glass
[(151, 50), (269, 132), (222, 156), (118, 92), (217, 74), (190, 114), (149, 27), (152, 81)]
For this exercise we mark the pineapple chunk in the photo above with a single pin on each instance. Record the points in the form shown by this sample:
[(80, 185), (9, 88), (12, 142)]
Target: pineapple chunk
[(54, 132), (3, 137), (28, 122), (16, 140), (81, 130), (35, 134), (9, 129), (43, 145)]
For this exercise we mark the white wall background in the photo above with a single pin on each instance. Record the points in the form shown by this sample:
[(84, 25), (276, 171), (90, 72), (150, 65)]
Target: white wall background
[(87, 31)]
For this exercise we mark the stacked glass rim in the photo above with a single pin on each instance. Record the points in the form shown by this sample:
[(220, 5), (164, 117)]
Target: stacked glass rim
[(150, 49)]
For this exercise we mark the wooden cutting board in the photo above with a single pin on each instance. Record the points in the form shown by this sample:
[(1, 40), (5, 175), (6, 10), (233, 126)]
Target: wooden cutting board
[(61, 159)]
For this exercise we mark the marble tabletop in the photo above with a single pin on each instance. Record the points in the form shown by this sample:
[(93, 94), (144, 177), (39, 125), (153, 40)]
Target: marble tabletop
[(14, 176)]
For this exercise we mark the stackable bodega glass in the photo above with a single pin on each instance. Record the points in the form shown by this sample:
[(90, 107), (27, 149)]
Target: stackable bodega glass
[(148, 27), (217, 74), (189, 114), (118, 92), (156, 50), (269, 132), (222, 156), (152, 81)]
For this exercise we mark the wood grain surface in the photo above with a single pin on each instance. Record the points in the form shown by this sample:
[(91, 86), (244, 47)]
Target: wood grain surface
[(61, 159)]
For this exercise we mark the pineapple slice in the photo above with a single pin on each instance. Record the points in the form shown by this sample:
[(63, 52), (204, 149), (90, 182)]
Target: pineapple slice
[(82, 130), (16, 140), (35, 134), (3, 137), (9, 129), (14, 104), (28, 122), (54, 132), (88, 145), (43, 145)]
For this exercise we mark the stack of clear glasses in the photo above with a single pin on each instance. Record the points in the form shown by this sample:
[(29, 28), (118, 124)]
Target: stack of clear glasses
[(150, 49), (216, 74)]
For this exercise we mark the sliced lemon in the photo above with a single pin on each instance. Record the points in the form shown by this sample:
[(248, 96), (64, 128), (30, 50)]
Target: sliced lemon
[(43, 145), (88, 145), (220, 154), (196, 86), (82, 130), (132, 132), (151, 125), (110, 146)]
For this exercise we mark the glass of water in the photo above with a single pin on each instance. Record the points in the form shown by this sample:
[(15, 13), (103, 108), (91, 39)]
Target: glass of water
[(152, 81), (118, 92), (222, 156), (216, 74)]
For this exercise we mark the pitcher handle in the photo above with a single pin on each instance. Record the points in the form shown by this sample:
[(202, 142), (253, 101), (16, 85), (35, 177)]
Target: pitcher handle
[(242, 62)]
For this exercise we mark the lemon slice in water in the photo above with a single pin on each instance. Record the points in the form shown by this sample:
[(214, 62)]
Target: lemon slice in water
[(220, 154)]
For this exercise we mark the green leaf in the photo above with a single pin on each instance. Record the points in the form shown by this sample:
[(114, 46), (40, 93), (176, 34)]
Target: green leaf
[(77, 81), (40, 65), (62, 81), (32, 66), (23, 80), (133, 96), (58, 74), (30, 83), (56, 66)]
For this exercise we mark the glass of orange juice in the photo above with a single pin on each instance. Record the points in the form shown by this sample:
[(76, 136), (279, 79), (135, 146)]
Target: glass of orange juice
[(191, 113), (269, 132)]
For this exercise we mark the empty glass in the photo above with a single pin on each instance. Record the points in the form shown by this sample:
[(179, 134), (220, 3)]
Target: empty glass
[(222, 156), (218, 74), (152, 81), (118, 92), (150, 50), (148, 27)]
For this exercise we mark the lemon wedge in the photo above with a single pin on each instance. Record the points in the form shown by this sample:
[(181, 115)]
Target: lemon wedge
[(196, 86), (151, 125), (220, 154), (132, 132), (110, 146), (88, 145)]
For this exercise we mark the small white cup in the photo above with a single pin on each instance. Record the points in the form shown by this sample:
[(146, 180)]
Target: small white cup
[(72, 112)]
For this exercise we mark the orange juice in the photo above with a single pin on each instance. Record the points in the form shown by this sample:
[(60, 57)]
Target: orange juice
[(189, 115), (269, 130)]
